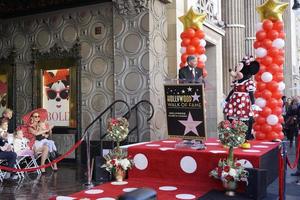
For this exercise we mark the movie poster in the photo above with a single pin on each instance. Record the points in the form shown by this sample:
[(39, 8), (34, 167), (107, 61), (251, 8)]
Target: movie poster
[(56, 96), (3, 92), (185, 111)]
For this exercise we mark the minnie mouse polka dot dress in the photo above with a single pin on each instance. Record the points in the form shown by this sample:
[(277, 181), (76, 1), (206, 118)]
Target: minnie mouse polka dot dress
[(239, 104)]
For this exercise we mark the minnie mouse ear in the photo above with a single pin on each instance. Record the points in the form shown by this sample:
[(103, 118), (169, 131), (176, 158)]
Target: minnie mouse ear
[(254, 67)]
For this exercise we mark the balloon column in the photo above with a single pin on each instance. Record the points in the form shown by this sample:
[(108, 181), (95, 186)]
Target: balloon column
[(269, 52), (193, 42)]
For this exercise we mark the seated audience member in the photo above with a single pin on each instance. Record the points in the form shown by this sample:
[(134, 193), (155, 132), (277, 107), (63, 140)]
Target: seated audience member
[(8, 114), (21, 144), (32, 121), (6, 150)]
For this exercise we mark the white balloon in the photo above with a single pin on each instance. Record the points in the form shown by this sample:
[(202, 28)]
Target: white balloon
[(202, 43), (261, 102), (278, 43), (266, 77), (203, 57), (260, 52), (182, 50), (281, 86), (258, 26), (272, 119)]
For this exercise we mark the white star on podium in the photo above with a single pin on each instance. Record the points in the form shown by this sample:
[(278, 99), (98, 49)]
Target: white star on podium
[(196, 97), (190, 125), (189, 89)]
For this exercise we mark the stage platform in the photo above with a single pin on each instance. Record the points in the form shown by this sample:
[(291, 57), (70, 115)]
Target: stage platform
[(182, 173)]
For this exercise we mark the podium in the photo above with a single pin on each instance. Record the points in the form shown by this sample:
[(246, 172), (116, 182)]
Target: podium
[(185, 109)]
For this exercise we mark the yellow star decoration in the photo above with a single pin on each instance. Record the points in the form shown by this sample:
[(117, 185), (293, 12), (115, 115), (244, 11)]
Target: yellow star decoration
[(192, 19), (272, 10)]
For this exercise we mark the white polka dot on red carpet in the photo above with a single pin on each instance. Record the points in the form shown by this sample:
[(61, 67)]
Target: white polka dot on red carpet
[(94, 191), (166, 148), (119, 183), (140, 161), (106, 198), (152, 145), (129, 189), (251, 150), (217, 151), (64, 198), (185, 196), (167, 188), (169, 141), (212, 143), (260, 146), (188, 164), (268, 142), (245, 163)]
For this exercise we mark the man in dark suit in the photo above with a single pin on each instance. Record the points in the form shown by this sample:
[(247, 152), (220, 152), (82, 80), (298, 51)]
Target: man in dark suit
[(191, 73)]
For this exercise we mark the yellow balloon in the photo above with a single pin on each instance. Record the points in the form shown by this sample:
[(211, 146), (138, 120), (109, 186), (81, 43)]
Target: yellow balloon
[(193, 19), (272, 10)]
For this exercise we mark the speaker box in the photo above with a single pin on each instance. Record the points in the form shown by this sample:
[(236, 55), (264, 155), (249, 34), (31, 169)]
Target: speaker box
[(139, 194), (257, 183), (100, 174)]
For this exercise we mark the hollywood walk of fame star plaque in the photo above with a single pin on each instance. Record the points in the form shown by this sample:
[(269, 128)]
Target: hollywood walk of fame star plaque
[(185, 111)]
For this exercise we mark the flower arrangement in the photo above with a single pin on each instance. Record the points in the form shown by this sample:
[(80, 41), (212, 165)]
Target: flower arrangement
[(229, 173), (117, 160), (117, 129), (232, 134)]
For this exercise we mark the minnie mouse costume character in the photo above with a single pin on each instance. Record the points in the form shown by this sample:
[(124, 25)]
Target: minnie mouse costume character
[(240, 101)]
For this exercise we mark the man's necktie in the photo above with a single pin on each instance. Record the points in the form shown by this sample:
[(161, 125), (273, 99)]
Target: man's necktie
[(193, 74)]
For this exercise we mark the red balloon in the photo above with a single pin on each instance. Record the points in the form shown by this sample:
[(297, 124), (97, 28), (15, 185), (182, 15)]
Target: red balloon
[(257, 44), (258, 77), (256, 127), (190, 32), (281, 119), (273, 51), (278, 25), (272, 103), (277, 128), (277, 95), (279, 60), (200, 50), (199, 34), (185, 42), (266, 128), (262, 69), (281, 135), (279, 103), (190, 49), (260, 120), (260, 136), (274, 68), (272, 135), (261, 86), (272, 34), (266, 94), (258, 60), (204, 72), (267, 43), (278, 77), (195, 41), (200, 64), (277, 110), (257, 94), (261, 35), (184, 57), (267, 60), (281, 52), (267, 25), (281, 35), (266, 111), (183, 35), (272, 86)]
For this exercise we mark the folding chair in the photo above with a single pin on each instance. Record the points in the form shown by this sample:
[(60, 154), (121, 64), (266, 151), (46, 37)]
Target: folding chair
[(29, 160)]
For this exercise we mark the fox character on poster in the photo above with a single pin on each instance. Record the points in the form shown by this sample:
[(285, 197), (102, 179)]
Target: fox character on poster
[(56, 96)]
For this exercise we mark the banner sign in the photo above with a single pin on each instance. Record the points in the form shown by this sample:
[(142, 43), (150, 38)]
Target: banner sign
[(185, 111)]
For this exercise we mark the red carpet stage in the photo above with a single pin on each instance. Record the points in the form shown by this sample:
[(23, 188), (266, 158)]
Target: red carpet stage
[(182, 173)]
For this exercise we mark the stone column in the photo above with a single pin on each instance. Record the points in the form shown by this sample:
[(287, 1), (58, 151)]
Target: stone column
[(251, 19), (234, 41), (140, 60)]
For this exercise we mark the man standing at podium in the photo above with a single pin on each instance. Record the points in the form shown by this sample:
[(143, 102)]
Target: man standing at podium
[(191, 73)]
